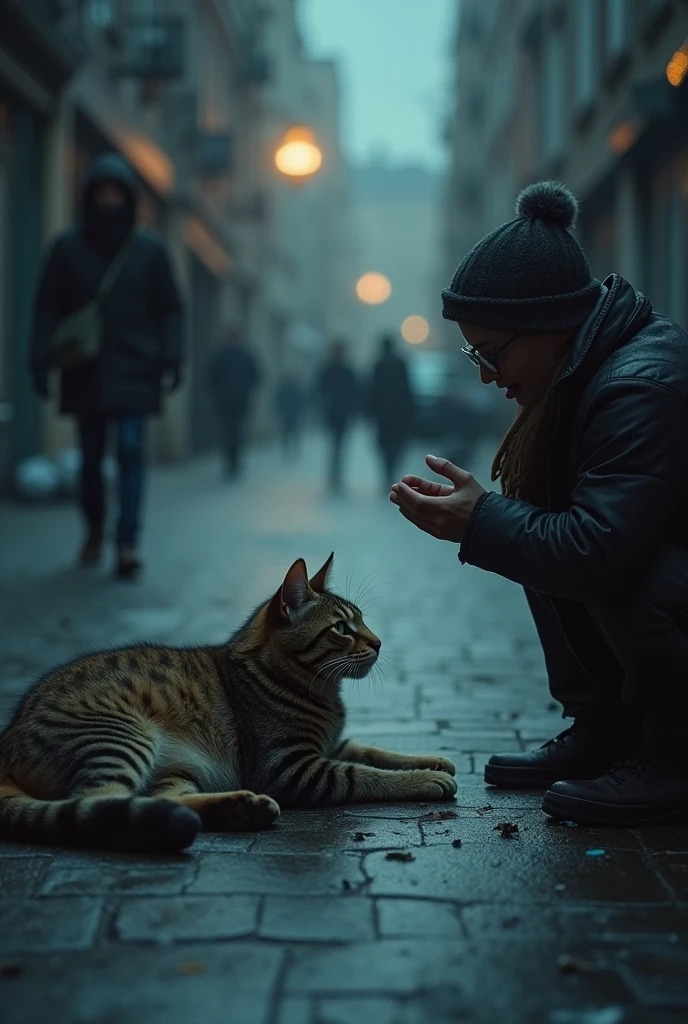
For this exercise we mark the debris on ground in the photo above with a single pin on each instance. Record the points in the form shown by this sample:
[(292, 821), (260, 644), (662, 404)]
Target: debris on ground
[(403, 855), (506, 829), (511, 922), (439, 816), (567, 824), (11, 970), (456, 843), (559, 887), (191, 967), (358, 837), (568, 964), (346, 884), (485, 809), (595, 853)]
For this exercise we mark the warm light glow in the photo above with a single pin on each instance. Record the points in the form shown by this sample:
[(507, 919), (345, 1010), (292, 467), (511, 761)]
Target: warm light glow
[(149, 159), (298, 156), (622, 137), (415, 329), (677, 68), (373, 288)]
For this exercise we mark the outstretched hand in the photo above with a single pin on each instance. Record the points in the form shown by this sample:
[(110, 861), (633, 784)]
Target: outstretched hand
[(442, 510)]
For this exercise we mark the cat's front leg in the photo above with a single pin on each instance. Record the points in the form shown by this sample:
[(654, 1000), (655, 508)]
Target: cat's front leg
[(378, 757), (315, 780)]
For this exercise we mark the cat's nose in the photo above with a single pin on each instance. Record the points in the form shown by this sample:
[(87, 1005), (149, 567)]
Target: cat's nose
[(375, 643)]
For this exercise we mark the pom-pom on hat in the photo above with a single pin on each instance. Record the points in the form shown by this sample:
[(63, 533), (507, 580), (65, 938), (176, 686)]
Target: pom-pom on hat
[(528, 275)]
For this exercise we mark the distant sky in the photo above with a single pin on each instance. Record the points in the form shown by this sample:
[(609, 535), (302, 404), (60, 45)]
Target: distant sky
[(394, 64)]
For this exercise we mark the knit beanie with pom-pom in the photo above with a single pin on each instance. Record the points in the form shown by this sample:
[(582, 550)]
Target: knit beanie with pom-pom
[(528, 275)]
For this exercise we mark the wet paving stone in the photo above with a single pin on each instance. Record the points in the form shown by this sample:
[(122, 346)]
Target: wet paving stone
[(48, 926), (402, 918), (92, 873), (656, 976), (489, 872), (318, 919), (457, 980), (145, 985), (673, 869), (339, 832), (306, 875), (187, 918), (21, 876), (534, 828)]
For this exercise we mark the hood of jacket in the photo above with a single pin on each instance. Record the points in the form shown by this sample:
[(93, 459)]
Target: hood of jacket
[(109, 228)]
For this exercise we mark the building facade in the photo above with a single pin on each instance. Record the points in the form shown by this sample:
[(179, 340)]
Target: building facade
[(197, 95), (589, 92)]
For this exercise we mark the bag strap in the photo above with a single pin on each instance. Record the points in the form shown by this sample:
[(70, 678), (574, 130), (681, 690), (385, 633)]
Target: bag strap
[(116, 265)]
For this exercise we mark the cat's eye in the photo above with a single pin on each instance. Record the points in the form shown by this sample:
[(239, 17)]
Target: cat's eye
[(341, 627)]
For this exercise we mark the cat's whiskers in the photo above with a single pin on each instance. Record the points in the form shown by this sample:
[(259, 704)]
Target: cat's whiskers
[(362, 584)]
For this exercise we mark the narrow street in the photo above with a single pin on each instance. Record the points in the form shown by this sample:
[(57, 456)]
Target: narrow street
[(493, 914)]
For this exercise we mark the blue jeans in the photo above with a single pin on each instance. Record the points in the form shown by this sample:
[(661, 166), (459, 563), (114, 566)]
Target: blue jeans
[(93, 430)]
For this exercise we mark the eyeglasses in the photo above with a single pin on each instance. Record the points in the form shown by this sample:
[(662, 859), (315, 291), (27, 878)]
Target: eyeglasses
[(478, 359)]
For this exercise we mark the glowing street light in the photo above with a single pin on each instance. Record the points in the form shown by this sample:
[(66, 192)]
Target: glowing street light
[(298, 155), (373, 288), (677, 68), (415, 329)]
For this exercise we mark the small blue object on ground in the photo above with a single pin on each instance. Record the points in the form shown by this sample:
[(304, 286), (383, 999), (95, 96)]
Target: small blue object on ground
[(595, 853)]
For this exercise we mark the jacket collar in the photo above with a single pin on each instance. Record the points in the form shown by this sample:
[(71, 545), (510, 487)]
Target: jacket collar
[(619, 313)]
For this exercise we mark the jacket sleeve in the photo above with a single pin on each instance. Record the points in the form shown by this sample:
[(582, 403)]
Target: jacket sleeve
[(630, 490), (170, 310), (49, 307)]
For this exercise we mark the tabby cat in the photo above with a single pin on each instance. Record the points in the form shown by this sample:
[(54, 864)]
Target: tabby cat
[(140, 748)]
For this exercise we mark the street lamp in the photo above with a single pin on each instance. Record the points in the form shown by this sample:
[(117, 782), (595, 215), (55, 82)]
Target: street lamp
[(298, 156), (415, 329), (373, 288)]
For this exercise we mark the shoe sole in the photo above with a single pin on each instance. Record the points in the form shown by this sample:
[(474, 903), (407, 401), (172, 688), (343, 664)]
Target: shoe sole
[(518, 778), (585, 812)]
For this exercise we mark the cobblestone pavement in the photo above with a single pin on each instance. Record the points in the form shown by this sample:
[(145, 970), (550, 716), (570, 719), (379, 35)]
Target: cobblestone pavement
[(395, 914)]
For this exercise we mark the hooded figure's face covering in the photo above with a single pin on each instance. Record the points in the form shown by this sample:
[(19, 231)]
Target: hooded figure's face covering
[(109, 204)]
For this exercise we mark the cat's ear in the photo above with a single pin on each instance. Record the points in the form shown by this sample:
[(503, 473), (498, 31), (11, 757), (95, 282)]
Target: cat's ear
[(319, 581), (292, 595)]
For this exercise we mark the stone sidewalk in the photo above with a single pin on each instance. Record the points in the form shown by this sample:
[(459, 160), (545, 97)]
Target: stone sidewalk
[(477, 910)]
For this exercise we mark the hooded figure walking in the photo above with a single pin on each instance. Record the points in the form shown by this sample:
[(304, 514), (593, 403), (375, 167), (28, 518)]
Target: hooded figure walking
[(141, 346), (391, 407)]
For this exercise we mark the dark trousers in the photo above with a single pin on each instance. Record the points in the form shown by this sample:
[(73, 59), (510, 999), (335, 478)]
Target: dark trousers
[(233, 436), (337, 434), (622, 661), (390, 451), (93, 435)]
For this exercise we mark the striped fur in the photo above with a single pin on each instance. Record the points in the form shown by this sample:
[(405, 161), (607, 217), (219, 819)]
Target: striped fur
[(140, 748)]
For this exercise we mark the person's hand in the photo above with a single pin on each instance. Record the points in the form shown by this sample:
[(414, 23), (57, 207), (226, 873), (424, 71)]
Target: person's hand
[(172, 378), (442, 510), (40, 383)]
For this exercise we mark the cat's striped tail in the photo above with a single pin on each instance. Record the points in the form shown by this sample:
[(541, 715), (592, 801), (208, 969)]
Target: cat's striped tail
[(137, 824)]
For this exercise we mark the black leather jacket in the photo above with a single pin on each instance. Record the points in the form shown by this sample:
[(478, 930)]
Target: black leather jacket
[(616, 466)]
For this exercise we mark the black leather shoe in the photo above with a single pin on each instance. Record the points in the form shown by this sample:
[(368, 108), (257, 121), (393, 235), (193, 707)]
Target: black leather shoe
[(634, 792), (576, 753)]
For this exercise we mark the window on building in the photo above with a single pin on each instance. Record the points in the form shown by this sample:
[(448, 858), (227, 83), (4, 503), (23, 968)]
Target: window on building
[(587, 57), (553, 117), (617, 27)]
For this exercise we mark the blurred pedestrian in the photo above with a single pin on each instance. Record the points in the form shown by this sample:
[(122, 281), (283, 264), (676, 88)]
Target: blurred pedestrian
[(116, 357), (337, 394), (591, 519), (290, 401), (233, 376), (390, 407)]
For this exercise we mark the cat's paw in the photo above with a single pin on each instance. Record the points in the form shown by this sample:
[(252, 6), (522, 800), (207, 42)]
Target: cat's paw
[(433, 785), (435, 763), (239, 811)]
